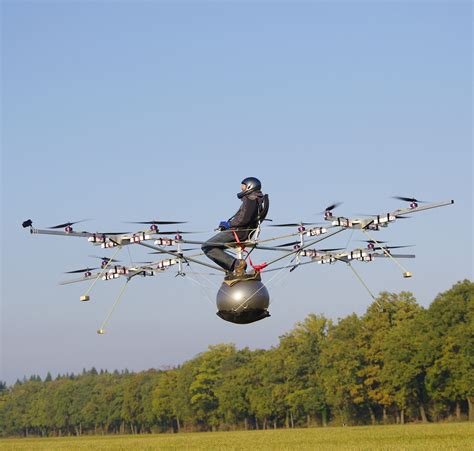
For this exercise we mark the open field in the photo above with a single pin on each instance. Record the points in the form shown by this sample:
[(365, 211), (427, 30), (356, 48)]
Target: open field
[(455, 436)]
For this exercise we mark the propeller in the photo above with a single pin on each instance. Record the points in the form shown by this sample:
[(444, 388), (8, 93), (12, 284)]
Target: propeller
[(156, 222), (110, 233), (371, 241), (291, 243), (321, 250), (391, 247), (182, 250), (331, 207), (67, 224), (371, 244), (175, 232), (105, 259), (76, 271), (409, 199), (294, 224)]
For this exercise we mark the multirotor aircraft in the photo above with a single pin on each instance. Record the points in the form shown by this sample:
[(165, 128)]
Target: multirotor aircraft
[(242, 299)]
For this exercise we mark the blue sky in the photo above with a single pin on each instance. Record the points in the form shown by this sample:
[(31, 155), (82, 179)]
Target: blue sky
[(126, 111)]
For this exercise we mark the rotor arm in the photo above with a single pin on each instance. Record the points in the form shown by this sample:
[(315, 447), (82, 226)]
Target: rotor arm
[(176, 254), (296, 251), (404, 211), (60, 232)]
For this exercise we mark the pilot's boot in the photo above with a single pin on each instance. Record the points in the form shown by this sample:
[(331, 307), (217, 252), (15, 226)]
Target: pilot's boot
[(239, 267)]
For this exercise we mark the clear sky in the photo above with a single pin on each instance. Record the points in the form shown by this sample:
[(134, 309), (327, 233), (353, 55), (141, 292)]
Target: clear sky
[(128, 111)]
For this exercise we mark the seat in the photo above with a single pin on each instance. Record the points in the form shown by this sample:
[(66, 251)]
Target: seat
[(263, 208)]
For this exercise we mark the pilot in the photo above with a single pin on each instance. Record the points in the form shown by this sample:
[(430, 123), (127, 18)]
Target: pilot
[(243, 223)]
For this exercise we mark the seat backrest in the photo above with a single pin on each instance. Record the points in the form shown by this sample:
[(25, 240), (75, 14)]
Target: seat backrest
[(263, 207)]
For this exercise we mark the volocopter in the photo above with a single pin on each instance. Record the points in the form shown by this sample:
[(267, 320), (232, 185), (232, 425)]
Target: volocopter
[(240, 299)]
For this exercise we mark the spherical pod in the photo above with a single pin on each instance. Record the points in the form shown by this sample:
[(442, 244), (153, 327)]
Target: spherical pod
[(243, 301)]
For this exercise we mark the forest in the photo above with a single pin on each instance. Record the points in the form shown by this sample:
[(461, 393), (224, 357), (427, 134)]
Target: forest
[(399, 362)]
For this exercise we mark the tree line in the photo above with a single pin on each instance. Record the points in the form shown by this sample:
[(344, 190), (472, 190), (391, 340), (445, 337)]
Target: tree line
[(398, 362)]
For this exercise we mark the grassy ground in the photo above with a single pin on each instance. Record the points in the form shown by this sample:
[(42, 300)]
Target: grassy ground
[(455, 436)]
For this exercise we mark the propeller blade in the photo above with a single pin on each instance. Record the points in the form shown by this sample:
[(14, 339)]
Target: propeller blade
[(182, 250), (157, 222), (111, 233), (371, 241), (294, 224), (67, 224), (331, 207), (175, 232), (408, 199), (291, 243), (27, 223), (392, 247), (106, 259), (76, 271)]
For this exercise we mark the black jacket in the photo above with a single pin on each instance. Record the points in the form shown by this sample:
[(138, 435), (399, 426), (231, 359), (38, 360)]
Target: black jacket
[(247, 215)]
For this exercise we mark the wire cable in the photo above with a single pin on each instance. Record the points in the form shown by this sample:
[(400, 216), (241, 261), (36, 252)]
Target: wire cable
[(388, 254), (363, 283), (202, 288), (109, 314), (103, 271)]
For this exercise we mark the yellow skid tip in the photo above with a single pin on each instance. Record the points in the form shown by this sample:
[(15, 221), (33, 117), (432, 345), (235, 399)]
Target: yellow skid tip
[(101, 331), (407, 274), (85, 298)]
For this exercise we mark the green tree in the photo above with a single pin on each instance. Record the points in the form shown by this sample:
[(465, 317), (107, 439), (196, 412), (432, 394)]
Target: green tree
[(451, 332), (405, 364), (267, 389), (342, 370), (207, 378), (232, 392), (389, 310), (137, 407), (300, 351), (166, 402)]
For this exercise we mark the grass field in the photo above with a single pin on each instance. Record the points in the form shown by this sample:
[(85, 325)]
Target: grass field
[(455, 436)]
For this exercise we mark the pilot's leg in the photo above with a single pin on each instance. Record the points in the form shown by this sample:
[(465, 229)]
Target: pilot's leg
[(217, 253)]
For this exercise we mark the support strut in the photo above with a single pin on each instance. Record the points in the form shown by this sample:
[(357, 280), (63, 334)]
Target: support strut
[(85, 296), (407, 274)]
